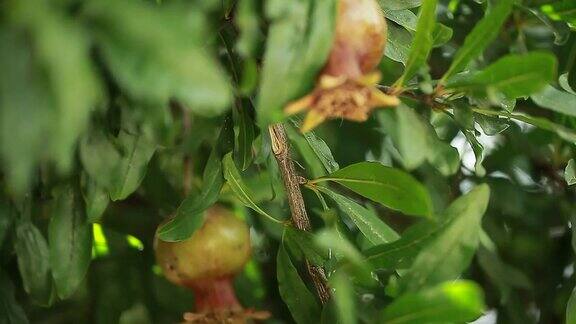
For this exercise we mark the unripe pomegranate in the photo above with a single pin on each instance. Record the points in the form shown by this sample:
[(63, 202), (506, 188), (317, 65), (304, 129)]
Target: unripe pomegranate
[(346, 85), (207, 263)]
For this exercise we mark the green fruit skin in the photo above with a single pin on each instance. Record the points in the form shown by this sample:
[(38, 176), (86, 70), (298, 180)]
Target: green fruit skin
[(219, 249)]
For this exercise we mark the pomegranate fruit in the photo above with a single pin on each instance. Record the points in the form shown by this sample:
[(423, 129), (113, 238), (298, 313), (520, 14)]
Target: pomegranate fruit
[(206, 263), (346, 87)]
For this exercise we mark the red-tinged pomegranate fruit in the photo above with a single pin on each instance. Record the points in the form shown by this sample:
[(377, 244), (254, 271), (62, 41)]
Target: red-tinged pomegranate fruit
[(207, 263), (346, 87)]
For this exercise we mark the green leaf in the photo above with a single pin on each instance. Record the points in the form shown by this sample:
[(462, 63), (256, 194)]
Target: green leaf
[(491, 125), (401, 253), (322, 151), (478, 150), (70, 237), (96, 199), (514, 76), (299, 40), (158, 53), (571, 309), (483, 34), (300, 301), (302, 245), (454, 302), (399, 4), (570, 172), (189, 215), (344, 297), (422, 43), (63, 50), (405, 18), (131, 169), (373, 228), (399, 42), (542, 123), (7, 217), (10, 311), (556, 100), (26, 112), (248, 23), (246, 135), (243, 193), (412, 137), (350, 259), (390, 187), (441, 34), (561, 10), (448, 254), (313, 149), (34, 262)]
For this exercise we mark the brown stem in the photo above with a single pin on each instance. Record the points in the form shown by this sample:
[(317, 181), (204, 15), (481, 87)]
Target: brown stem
[(281, 150)]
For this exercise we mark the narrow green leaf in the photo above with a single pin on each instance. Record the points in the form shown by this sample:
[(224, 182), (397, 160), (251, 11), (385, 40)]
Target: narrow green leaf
[(373, 228), (399, 4), (405, 18), (26, 111), (556, 100), (344, 297), (243, 193), (96, 199), (300, 301), (448, 254), (454, 302), (571, 309), (131, 169), (248, 23), (246, 135), (478, 150), (299, 40), (189, 215), (570, 172), (350, 260), (7, 217), (399, 42), (390, 187), (542, 123), (34, 262), (514, 76), (491, 125), (302, 245), (321, 150), (422, 43), (10, 311), (412, 137), (313, 149), (483, 34), (441, 34), (401, 253), (70, 237)]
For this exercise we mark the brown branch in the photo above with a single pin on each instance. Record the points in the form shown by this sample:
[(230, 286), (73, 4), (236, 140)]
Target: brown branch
[(281, 150)]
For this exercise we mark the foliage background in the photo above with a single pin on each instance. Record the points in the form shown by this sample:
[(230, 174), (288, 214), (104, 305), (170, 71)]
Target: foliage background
[(106, 106)]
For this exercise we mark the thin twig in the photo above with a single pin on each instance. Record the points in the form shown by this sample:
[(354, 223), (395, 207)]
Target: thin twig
[(281, 150)]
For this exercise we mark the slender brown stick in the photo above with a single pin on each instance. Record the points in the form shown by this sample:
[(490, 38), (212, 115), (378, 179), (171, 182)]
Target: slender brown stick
[(281, 150)]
